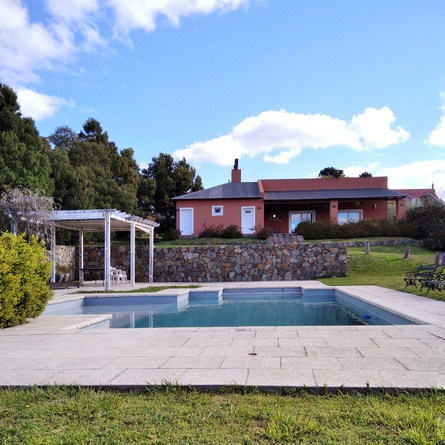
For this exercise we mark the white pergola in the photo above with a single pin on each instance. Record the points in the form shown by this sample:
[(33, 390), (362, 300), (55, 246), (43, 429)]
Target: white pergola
[(107, 220)]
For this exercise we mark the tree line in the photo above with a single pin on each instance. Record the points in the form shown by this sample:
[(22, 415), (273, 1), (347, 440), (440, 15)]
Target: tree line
[(86, 170)]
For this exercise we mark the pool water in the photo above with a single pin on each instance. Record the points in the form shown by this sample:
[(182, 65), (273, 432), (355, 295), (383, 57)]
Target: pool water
[(227, 308), (244, 313)]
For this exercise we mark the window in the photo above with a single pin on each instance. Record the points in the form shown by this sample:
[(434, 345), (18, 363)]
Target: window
[(217, 210), (346, 216), (296, 218)]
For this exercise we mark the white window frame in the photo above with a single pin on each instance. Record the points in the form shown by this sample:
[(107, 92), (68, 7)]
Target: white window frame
[(359, 211), (215, 212), (300, 212)]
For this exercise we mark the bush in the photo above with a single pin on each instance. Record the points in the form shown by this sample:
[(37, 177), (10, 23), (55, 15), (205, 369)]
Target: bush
[(24, 275), (211, 231), (262, 232), (171, 235), (361, 229), (232, 231)]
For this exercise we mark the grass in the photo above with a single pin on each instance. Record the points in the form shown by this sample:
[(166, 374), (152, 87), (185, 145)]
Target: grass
[(173, 415), (385, 266), (184, 242)]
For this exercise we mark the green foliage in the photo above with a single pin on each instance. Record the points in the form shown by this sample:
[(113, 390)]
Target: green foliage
[(429, 221), (361, 229), (262, 232), (211, 231), (89, 171), (24, 155), (231, 231), (171, 234), (365, 175), (161, 181), (331, 172), (24, 275)]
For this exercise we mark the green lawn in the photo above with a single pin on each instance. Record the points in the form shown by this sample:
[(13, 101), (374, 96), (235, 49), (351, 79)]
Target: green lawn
[(385, 266), (182, 416)]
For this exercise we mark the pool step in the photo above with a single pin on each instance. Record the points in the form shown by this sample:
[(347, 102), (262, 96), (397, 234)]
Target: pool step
[(272, 293)]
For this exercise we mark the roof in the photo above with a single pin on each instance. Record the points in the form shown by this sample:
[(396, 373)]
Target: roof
[(316, 195), (94, 220), (418, 193), (230, 190)]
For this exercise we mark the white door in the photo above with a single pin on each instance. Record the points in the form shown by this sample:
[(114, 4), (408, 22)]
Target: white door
[(186, 221), (247, 220)]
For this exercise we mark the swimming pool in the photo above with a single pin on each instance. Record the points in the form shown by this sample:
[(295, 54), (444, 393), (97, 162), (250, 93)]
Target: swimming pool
[(228, 308)]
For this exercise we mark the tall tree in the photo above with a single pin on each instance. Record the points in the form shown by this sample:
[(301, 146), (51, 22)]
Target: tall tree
[(331, 172), (365, 175), (163, 180), (90, 172), (24, 155)]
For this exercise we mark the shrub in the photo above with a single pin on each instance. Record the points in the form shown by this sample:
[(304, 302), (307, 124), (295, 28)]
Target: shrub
[(24, 275), (211, 231), (171, 235), (232, 231), (262, 232)]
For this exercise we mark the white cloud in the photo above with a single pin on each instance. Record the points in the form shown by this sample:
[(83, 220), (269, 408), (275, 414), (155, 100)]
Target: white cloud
[(145, 13), (74, 26), (373, 128), (420, 174), (71, 10), (280, 136), (437, 136), (39, 106), (26, 47)]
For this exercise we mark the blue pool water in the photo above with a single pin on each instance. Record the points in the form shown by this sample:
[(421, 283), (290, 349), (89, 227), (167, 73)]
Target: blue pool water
[(232, 308)]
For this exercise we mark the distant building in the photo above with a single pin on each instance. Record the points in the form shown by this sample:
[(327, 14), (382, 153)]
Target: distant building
[(414, 197)]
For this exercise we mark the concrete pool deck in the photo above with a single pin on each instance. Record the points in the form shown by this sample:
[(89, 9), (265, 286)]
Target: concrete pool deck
[(54, 350)]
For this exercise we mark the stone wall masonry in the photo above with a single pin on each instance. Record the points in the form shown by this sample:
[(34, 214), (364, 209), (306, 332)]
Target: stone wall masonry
[(250, 262), (241, 262)]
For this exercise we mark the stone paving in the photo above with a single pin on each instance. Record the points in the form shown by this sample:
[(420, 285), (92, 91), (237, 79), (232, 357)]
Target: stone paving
[(54, 350)]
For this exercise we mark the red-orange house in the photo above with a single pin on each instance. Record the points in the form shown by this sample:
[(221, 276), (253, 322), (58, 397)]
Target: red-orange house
[(281, 204)]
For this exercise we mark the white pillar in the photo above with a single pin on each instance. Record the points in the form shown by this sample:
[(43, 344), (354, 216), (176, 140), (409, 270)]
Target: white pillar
[(81, 256), (151, 259), (133, 253), (53, 254), (107, 249)]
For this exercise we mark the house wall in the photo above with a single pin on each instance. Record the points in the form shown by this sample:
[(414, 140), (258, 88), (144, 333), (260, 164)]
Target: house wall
[(231, 212)]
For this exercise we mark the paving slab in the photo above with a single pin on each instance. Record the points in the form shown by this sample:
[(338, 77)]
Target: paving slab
[(65, 350)]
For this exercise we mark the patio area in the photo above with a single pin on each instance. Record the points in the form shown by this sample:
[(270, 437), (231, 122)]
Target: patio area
[(56, 350)]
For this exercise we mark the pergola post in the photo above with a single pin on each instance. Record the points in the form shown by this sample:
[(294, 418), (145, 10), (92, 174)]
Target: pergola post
[(150, 261), (107, 259), (133, 253), (53, 254), (81, 256)]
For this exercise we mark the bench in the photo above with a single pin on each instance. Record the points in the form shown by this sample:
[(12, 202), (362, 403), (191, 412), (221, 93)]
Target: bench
[(423, 272), (437, 282)]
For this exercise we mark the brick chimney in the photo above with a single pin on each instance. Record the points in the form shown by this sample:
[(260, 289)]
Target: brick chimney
[(236, 173)]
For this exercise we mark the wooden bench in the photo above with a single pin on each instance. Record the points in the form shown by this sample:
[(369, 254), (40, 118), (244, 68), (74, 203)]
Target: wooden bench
[(423, 272), (437, 282)]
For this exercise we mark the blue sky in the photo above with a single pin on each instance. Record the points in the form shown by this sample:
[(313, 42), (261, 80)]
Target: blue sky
[(287, 86)]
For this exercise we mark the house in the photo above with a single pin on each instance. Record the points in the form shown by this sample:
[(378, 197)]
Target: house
[(414, 196), (281, 204)]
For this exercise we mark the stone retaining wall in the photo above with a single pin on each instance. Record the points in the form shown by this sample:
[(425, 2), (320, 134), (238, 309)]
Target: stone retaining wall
[(250, 262), (241, 262)]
